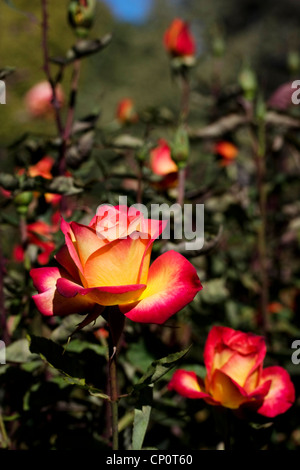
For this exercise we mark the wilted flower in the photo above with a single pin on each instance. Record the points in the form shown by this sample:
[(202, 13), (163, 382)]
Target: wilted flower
[(235, 376)]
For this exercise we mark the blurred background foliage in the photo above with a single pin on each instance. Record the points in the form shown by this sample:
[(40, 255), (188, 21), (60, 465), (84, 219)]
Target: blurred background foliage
[(262, 37)]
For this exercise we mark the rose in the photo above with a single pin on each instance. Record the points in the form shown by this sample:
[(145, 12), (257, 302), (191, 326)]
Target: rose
[(39, 234), (227, 151), (107, 263), (178, 40), (235, 376), (160, 159), (39, 98), (126, 112), (44, 168), (161, 164)]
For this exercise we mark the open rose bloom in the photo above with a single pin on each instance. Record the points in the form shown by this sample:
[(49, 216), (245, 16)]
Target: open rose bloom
[(107, 263), (236, 377)]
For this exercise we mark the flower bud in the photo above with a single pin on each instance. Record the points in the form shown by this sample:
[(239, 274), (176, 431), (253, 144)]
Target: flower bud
[(22, 201), (181, 147), (81, 15), (293, 61), (248, 82), (218, 46), (260, 108), (180, 44), (126, 112)]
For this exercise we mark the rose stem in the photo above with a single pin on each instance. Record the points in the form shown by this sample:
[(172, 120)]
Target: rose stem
[(114, 401), (227, 433), (181, 186), (262, 243), (185, 98), (46, 68), (116, 321), (3, 312), (71, 112)]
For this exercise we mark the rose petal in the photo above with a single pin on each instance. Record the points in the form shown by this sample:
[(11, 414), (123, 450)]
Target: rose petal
[(71, 244), (187, 384), (49, 301), (160, 159), (121, 262), (281, 395), (226, 391), (172, 283), (87, 241), (106, 295), (63, 257)]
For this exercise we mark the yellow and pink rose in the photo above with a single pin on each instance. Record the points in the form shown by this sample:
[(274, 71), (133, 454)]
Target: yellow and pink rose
[(107, 263), (235, 375)]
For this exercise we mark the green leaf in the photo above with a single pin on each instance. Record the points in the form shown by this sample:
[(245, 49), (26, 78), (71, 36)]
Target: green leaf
[(159, 368), (8, 181), (71, 365), (19, 352), (140, 424), (141, 417), (127, 141), (81, 49)]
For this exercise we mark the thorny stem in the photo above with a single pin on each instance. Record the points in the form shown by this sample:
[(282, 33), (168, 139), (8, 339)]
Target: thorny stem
[(71, 113), (116, 326), (262, 233), (46, 68), (139, 196), (185, 99), (3, 324), (181, 186), (114, 398), (63, 131), (262, 236)]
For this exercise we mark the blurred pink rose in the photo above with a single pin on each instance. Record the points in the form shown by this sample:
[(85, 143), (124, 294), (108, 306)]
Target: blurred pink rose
[(38, 100)]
